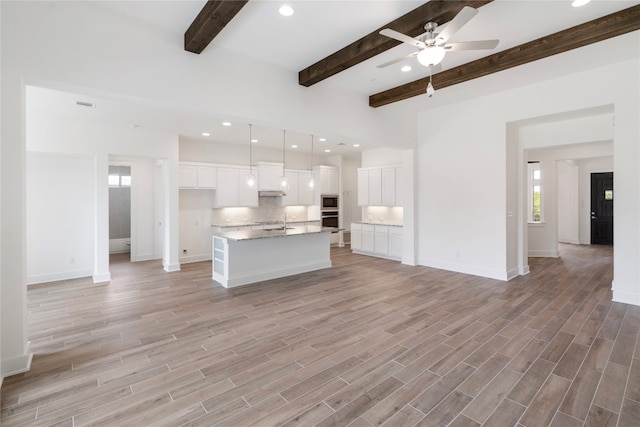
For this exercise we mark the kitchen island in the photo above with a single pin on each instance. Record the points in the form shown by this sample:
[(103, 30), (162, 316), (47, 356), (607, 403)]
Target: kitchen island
[(248, 256)]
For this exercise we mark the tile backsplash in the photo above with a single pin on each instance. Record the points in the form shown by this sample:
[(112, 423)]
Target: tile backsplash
[(268, 211), (382, 214)]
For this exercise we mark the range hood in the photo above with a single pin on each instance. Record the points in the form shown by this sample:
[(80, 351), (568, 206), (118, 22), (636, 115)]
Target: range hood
[(271, 193)]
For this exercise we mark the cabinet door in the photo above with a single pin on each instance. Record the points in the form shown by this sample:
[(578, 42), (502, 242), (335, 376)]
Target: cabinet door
[(291, 197), (381, 244), (363, 187), (368, 238), (334, 181), (375, 187), (305, 193), (207, 177), (356, 237), (395, 242), (247, 197), (187, 176), (399, 188), (227, 191), (388, 187)]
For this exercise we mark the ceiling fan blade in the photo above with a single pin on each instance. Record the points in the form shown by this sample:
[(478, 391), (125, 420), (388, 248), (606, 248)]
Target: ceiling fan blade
[(402, 38), (474, 45), (395, 61), (457, 22)]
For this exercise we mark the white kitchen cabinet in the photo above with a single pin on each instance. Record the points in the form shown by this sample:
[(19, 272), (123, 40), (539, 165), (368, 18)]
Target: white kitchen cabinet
[(399, 189), (384, 241), (375, 187), (395, 242), (363, 187), (356, 237), (291, 198), (388, 187), (368, 238), (232, 189), (329, 179), (305, 193), (270, 174), (197, 176), (207, 177), (381, 240)]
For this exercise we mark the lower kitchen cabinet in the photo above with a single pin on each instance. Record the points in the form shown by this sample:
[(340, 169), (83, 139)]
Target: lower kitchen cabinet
[(384, 241)]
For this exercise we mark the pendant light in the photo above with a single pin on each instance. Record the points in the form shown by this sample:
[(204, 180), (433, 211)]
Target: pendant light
[(284, 182), (311, 182), (251, 179)]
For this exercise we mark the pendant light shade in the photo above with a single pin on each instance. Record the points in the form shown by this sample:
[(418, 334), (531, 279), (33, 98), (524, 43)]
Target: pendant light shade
[(251, 179), (284, 182)]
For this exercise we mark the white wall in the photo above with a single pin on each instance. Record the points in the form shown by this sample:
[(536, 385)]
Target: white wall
[(60, 216), (462, 177), (568, 202)]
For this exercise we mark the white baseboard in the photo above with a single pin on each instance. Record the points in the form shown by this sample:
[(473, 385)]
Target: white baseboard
[(101, 278), (195, 258), (142, 257), (17, 365), (474, 271), (55, 277), (570, 241), (625, 297), (170, 268)]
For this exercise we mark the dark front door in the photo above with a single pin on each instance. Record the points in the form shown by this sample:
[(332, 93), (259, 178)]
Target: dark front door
[(602, 208)]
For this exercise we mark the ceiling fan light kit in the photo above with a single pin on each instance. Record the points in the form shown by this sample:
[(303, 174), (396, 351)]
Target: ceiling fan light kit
[(433, 46)]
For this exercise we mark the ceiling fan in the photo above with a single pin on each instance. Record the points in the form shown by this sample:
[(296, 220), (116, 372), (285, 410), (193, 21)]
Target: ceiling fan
[(432, 46)]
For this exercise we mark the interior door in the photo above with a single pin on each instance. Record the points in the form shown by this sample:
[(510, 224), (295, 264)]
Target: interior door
[(602, 208)]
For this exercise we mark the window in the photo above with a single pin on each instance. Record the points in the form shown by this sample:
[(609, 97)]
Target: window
[(119, 180), (535, 192)]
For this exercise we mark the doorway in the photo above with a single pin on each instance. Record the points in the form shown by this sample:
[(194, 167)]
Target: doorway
[(120, 210), (602, 208)]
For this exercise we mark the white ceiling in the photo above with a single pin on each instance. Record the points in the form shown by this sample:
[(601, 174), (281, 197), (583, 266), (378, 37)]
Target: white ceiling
[(319, 28)]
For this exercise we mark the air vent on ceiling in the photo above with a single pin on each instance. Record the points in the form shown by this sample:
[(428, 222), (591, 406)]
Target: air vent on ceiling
[(85, 104)]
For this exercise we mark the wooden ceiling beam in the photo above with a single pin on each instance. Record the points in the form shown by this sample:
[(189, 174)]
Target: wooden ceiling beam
[(213, 17), (615, 24), (411, 24)]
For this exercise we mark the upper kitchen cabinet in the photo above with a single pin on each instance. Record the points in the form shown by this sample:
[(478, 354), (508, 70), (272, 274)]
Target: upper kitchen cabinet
[(233, 191), (378, 186), (299, 192), (194, 175), (270, 174), (329, 179)]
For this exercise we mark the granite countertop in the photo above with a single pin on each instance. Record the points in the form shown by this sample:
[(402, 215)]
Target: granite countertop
[(278, 232), (250, 224), (391, 224)]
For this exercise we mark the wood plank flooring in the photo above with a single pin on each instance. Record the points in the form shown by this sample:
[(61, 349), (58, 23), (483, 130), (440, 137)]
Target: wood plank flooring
[(368, 342)]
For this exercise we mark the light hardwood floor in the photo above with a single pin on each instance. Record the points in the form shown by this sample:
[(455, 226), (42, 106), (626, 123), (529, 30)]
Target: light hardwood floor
[(367, 342)]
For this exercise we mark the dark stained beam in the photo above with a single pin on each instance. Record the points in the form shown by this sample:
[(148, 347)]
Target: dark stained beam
[(213, 17), (411, 24), (616, 24)]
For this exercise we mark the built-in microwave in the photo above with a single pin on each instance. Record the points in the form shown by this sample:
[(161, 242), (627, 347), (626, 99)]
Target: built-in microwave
[(329, 202)]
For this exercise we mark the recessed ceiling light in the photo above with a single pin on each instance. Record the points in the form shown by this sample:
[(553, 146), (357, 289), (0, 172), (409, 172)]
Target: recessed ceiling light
[(405, 68), (285, 10), (226, 124), (578, 3), (206, 134), (322, 139), (294, 146), (254, 140), (356, 145), (327, 151)]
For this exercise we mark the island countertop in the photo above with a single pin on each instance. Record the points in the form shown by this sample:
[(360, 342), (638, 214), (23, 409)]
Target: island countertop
[(238, 235)]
